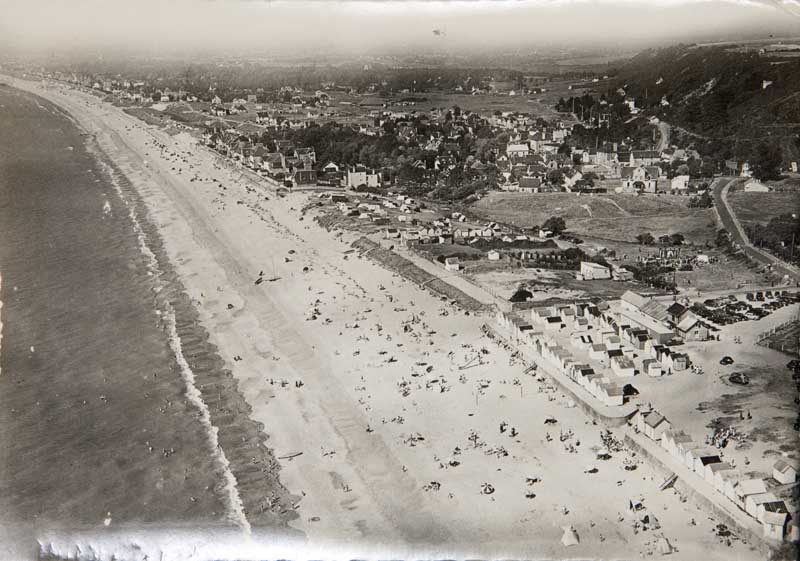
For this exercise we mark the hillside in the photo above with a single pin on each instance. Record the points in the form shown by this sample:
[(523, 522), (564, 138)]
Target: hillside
[(730, 100)]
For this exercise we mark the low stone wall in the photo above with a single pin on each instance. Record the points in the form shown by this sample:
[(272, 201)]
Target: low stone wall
[(573, 390), (408, 270)]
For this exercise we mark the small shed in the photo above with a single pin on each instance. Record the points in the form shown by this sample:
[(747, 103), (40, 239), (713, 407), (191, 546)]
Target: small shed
[(747, 487), (752, 503), (452, 264), (774, 525), (655, 424), (784, 472), (712, 469)]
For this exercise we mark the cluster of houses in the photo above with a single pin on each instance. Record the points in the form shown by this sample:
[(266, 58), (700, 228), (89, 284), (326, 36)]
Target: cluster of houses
[(596, 337), (527, 163), (525, 335), (748, 493), (592, 347), (662, 323)]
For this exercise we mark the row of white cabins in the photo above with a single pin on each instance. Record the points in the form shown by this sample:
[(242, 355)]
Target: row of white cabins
[(603, 352), (611, 346), (748, 493)]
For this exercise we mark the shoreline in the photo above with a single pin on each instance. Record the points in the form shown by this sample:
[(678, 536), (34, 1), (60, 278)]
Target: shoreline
[(202, 371), (215, 242)]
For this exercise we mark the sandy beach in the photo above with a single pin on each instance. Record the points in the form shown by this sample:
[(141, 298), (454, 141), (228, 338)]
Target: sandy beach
[(398, 425)]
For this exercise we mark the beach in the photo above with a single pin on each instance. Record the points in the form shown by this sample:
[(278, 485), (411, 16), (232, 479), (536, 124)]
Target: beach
[(392, 423)]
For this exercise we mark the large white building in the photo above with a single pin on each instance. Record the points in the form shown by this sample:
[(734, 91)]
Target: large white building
[(593, 271), (360, 176)]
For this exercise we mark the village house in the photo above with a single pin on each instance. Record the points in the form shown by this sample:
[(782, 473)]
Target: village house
[(360, 176), (452, 264), (690, 328), (738, 168), (304, 177), (514, 151), (679, 183), (639, 179), (621, 274)]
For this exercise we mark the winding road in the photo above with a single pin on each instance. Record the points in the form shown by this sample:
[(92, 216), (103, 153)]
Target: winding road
[(721, 187)]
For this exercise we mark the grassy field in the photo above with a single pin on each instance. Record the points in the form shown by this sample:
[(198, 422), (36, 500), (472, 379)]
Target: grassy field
[(610, 216), (760, 207), (536, 104)]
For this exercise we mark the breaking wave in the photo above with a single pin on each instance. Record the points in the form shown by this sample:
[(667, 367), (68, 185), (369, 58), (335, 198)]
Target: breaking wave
[(235, 508)]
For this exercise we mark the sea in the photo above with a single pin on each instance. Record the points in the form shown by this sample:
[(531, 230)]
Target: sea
[(98, 424)]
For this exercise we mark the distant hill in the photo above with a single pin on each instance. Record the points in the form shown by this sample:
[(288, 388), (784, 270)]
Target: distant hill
[(733, 98)]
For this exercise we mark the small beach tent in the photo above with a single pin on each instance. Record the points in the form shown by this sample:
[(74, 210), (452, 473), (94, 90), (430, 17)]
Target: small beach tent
[(570, 536), (651, 522), (663, 546)]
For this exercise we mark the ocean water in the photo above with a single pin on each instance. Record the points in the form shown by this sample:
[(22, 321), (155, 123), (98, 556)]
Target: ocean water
[(97, 425)]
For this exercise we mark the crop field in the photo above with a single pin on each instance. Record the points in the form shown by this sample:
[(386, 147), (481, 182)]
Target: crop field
[(609, 216)]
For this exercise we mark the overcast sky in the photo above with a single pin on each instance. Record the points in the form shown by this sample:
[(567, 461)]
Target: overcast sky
[(250, 26)]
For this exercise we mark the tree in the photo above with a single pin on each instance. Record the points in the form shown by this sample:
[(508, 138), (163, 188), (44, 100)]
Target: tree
[(703, 201), (768, 161), (676, 239), (723, 238), (645, 239), (555, 224)]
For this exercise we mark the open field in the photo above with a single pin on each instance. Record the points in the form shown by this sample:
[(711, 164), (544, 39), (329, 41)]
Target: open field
[(761, 207), (610, 216), (545, 284), (730, 272)]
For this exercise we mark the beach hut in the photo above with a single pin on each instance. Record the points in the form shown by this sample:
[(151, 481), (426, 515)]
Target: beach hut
[(570, 537), (612, 394), (704, 462), (651, 367), (668, 442), (622, 366), (752, 503), (747, 487), (711, 470), (655, 424), (663, 546), (696, 457), (687, 457), (784, 472), (776, 506), (774, 525), (725, 481)]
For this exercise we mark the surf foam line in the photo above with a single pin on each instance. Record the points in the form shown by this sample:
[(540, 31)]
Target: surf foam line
[(1, 325), (235, 507)]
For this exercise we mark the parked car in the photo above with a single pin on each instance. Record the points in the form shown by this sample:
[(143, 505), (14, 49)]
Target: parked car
[(726, 360)]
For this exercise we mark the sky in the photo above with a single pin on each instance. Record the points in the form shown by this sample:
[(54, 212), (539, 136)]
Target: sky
[(327, 26)]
